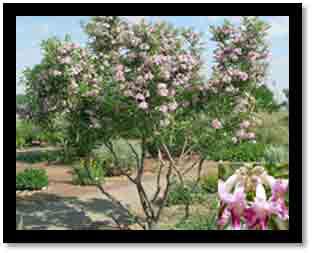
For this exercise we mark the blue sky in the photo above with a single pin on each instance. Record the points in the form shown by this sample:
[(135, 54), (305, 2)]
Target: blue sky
[(31, 30)]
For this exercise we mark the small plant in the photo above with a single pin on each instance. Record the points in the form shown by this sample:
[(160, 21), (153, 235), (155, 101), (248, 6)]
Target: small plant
[(209, 183), (31, 179), (189, 192), (89, 172)]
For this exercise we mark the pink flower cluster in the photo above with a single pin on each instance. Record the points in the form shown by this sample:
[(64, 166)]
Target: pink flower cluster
[(216, 124), (255, 214), (243, 134), (237, 45), (154, 69), (79, 66)]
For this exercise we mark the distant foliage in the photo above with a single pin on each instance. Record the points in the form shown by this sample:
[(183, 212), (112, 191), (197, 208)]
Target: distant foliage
[(31, 179)]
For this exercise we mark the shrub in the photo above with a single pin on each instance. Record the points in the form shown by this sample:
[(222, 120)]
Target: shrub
[(186, 193), (247, 151), (276, 154), (209, 183), (39, 156), (126, 158), (279, 170), (89, 172), (27, 132), (31, 179)]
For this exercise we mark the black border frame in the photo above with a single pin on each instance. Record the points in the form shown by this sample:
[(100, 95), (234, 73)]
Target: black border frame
[(293, 235)]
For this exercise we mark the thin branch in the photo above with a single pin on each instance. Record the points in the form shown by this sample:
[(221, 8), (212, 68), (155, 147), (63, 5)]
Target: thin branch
[(161, 165)]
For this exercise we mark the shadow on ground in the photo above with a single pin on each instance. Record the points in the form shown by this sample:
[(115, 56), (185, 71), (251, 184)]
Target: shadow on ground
[(43, 211)]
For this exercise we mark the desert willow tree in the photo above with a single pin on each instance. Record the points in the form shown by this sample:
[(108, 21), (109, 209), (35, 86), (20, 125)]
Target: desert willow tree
[(241, 61), (155, 76)]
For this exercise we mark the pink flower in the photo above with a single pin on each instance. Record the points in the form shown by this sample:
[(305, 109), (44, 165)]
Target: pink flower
[(235, 202), (163, 108), (253, 56), (243, 76), (257, 216), (251, 136), (143, 105), (279, 187), (57, 73), (173, 106), (238, 51), (172, 92), (227, 79), (241, 134), (245, 124), (163, 92), (216, 124), (161, 86), (66, 60), (140, 96), (120, 76), (234, 140)]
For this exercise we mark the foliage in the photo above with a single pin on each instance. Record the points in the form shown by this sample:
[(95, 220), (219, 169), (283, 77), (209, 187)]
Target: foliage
[(265, 100), (276, 154), (199, 221), (27, 132), (209, 183), (39, 156), (89, 172), (21, 99), (247, 151), (126, 159), (186, 193), (279, 170), (273, 128), (31, 179)]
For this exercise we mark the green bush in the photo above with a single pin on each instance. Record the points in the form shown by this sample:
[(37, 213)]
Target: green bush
[(277, 135), (276, 154), (126, 158), (279, 170), (186, 193), (247, 151), (209, 183), (31, 179), (27, 132), (39, 156), (89, 172)]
